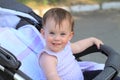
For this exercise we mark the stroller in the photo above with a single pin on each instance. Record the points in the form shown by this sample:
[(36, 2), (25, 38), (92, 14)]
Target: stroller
[(13, 66)]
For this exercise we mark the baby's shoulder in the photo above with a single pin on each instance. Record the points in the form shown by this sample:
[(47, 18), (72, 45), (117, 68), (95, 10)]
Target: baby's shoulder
[(46, 59)]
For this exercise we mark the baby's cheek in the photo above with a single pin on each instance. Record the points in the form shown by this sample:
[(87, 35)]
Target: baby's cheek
[(65, 43)]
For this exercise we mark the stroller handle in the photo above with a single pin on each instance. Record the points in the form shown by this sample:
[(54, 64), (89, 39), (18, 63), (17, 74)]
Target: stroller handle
[(10, 65), (111, 66), (7, 59), (107, 74)]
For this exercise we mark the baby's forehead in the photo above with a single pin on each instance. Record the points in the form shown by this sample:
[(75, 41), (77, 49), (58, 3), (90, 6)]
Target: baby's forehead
[(58, 23)]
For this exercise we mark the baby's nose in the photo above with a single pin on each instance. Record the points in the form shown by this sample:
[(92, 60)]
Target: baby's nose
[(57, 37)]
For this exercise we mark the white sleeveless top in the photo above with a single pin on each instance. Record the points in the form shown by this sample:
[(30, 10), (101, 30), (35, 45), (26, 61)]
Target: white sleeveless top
[(67, 67)]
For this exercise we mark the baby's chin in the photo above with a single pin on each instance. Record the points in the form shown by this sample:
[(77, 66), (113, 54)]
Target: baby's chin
[(57, 50)]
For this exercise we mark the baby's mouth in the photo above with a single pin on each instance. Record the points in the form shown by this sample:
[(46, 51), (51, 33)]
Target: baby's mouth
[(56, 44)]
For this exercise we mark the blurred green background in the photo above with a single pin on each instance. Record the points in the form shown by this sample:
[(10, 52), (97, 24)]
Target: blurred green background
[(64, 2), (40, 6)]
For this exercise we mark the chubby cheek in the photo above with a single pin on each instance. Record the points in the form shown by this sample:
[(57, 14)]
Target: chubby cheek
[(64, 41), (48, 40)]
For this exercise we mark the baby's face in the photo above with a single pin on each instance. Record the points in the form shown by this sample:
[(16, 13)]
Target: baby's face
[(57, 36)]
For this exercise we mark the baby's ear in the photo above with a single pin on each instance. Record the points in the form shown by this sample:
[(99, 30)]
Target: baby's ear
[(71, 35), (42, 32)]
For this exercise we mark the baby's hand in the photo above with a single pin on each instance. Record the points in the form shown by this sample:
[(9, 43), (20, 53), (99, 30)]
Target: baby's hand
[(97, 42)]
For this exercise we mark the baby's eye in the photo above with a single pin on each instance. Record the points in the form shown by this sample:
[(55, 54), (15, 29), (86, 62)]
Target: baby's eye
[(63, 34), (51, 33)]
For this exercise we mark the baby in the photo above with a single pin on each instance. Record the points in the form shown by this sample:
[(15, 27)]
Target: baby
[(56, 59)]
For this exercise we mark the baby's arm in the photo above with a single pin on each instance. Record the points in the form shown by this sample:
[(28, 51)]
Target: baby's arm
[(48, 64), (81, 45)]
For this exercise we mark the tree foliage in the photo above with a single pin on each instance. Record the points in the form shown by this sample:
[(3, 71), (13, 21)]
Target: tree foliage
[(52, 2), (45, 2)]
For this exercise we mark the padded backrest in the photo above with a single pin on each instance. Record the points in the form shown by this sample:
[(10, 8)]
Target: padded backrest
[(19, 7)]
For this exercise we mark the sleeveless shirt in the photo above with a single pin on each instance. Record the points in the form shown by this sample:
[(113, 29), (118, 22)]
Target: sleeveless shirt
[(67, 67)]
